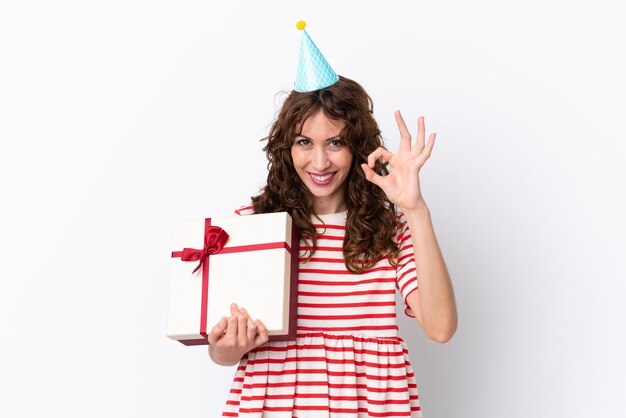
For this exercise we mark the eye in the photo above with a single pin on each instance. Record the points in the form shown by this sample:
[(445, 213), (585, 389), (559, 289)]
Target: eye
[(302, 141), (336, 142)]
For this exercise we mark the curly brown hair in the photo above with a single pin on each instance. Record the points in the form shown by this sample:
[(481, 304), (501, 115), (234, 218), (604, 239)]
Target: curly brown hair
[(371, 220)]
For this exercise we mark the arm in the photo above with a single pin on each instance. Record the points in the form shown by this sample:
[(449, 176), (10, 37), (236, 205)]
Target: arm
[(433, 302)]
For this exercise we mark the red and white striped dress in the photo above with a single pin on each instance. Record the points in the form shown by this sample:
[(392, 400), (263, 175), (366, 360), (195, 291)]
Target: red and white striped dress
[(348, 359)]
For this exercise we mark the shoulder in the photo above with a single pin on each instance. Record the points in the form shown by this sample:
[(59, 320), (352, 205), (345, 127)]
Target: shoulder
[(245, 210)]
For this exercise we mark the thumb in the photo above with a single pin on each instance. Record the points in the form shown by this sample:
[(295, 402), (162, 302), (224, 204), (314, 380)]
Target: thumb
[(371, 175)]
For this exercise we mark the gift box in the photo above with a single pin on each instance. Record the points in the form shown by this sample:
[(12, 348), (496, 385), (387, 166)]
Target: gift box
[(251, 260)]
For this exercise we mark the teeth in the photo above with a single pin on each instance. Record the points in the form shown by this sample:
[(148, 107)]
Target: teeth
[(322, 178)]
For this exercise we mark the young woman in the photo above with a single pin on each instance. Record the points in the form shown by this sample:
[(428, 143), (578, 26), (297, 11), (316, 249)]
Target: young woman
[(366, 231)]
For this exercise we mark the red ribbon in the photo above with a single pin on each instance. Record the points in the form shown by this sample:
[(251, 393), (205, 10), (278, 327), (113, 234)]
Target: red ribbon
[(214, 240)]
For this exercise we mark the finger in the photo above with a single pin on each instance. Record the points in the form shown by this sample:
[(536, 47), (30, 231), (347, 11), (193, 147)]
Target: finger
[(421, 134), (405, 136), (425, 154), (429, 147), (242, 328), (380, 152), (371, 176), (217, 331), (234, 309), (263, 335), (244, 313), (252, 330), (231, 330)]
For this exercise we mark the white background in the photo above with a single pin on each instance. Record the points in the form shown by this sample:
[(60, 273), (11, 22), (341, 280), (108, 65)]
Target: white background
[(119, 117)]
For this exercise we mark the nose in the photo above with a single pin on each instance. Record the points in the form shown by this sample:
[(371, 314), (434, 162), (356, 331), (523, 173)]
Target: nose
[(320, 159)]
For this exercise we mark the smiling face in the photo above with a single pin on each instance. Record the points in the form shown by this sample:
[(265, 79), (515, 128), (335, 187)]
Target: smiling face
[(322, 160)]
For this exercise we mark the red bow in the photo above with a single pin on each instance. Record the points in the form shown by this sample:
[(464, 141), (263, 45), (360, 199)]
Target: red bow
[(214, 240)]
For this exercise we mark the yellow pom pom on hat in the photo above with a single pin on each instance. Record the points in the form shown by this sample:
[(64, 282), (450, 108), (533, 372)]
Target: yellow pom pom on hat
[(313, 72)]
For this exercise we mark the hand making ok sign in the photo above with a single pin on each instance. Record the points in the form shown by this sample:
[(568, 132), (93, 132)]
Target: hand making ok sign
[(402, 185)]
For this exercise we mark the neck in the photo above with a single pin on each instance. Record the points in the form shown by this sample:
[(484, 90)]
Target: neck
[(325, 208)]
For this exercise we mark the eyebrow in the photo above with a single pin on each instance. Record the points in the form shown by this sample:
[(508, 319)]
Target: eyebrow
[(328, 139)]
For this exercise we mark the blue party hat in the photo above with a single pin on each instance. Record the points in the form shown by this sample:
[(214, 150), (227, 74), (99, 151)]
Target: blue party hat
[(314, 72)]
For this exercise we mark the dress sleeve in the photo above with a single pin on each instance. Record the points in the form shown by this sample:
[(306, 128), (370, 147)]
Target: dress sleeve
[(245, 210), (406, 272)]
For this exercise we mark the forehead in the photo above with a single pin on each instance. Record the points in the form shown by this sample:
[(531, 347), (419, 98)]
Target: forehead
[(318, 124)]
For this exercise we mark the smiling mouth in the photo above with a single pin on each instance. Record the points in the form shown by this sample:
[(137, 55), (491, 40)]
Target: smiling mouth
[(322, 179)]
